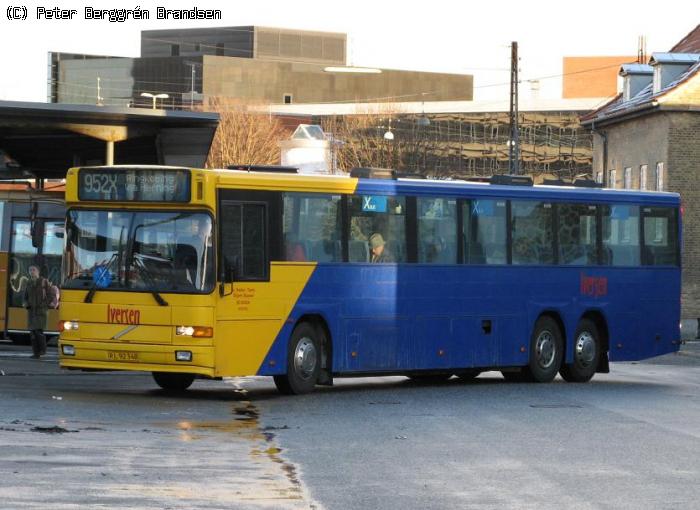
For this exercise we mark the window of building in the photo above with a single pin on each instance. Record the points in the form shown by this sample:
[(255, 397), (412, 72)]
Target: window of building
[(377, 229), (437, 230), (621, 235), (612, 181), (174, 50), (659, 176), (485, 234), (660, 236), (599, 177), (287, 98), (312, 227), (643, 177), (577, 234), (628, 178), (532, 232)]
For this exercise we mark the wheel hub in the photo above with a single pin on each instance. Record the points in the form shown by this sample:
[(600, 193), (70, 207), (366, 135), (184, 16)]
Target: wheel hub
[(585, 349), (545, 349), (305, 358)]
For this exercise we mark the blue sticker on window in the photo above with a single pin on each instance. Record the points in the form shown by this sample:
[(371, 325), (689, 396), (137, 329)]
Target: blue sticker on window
[(102, 277), (620, 212), (482, 207), (374, 203)]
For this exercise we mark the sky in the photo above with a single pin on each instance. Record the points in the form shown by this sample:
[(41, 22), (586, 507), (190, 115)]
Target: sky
[(436, 35)]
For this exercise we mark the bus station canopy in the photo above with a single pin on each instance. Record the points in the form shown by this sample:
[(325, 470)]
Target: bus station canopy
[(43, 140)]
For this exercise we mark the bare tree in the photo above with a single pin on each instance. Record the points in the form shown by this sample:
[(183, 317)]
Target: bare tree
[(244, 136)]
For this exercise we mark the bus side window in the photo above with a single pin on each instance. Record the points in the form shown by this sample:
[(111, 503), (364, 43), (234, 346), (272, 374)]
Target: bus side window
[(621, 235), (660, 236), (577, 234), (437, 230), (484, 229), (312, 227), (381, 220)]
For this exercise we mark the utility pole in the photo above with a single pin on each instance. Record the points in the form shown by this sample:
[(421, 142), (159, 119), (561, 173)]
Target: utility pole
[(514, 141)]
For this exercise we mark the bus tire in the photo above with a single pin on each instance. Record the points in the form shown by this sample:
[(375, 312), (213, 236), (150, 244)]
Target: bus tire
[(303, 361), (586, 353), (546, 350), (173, 381)]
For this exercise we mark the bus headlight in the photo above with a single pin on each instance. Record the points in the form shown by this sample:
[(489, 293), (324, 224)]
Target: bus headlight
[(68, 350), (67, 325), (195, 331)]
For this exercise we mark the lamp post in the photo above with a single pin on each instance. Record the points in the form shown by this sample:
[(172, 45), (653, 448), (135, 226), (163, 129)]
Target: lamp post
[(155, 97)]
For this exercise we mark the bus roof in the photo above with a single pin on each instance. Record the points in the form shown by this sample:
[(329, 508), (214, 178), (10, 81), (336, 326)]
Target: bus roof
[(344, 184), (447, 188)]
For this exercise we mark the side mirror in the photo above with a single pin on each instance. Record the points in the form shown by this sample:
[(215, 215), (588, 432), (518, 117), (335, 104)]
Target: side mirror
[(228, 275)]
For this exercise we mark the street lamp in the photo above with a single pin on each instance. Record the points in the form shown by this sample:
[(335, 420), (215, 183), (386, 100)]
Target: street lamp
[(154, 97)]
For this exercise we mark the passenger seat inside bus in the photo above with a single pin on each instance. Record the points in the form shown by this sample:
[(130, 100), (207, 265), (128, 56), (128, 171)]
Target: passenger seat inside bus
[(358, 251)]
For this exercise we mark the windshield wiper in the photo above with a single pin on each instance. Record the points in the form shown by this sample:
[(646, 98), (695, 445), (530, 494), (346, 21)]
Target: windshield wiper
[(148, 277), (105, 272)]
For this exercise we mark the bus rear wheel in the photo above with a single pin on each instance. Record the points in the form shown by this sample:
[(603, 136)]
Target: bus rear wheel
[(171, 381), (586, 354), (546, 351), (303, 361)]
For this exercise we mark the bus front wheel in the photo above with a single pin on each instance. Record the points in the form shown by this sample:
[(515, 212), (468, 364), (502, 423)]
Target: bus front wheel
[(171, 381), (586, 353), (303, 361), (546, 351)]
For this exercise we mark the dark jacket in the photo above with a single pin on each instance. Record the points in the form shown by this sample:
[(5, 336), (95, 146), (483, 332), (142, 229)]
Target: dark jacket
[(37, 297)]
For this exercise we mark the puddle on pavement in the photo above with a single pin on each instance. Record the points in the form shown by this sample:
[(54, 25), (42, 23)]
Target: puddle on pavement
[(277, 479)]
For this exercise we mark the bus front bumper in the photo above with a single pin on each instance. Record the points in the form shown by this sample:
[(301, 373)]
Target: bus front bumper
[(140, 357)]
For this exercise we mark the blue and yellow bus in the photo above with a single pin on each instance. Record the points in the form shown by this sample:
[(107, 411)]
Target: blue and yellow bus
[(191, 273)]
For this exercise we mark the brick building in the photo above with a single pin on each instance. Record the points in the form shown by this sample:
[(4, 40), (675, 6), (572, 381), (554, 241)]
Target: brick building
[(647, 138)]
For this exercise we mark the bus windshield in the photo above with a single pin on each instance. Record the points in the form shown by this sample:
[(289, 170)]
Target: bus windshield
[(139, 250)]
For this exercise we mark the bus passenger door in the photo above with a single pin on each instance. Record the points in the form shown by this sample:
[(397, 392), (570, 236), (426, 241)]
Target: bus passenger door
[(22, 255), (256, 294)]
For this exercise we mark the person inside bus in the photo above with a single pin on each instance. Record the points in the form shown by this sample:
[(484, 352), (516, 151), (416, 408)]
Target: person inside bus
[(380, 254)]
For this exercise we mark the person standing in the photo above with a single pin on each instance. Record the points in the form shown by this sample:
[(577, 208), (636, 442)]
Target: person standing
[(37, 296)]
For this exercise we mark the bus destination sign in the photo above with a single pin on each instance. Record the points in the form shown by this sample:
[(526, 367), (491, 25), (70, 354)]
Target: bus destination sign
[(134, 185)]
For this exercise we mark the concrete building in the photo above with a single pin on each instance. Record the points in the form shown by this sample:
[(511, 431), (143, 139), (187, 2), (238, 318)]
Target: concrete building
[(647, 138), (250, 64)]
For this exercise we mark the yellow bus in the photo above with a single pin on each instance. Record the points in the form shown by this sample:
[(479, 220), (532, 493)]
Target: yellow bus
[(213, 273), (31, 233)]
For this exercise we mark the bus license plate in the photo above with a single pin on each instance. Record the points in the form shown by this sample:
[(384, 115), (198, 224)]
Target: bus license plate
[(122, 356)]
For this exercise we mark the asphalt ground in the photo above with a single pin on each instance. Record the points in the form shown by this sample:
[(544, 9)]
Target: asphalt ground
[(628, 439)]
